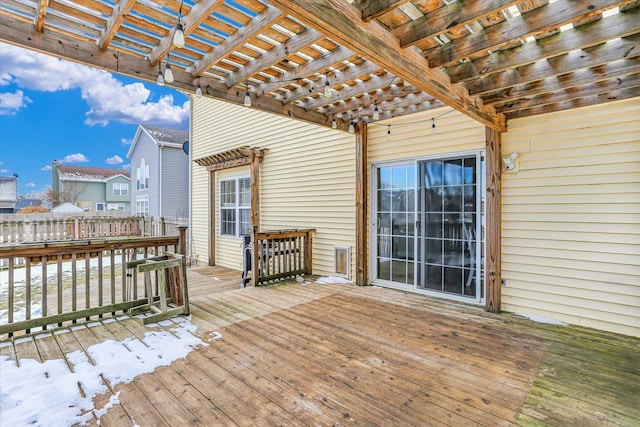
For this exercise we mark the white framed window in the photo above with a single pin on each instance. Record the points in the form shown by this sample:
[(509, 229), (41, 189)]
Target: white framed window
[(120, 189), (115, 206), (142, 205), (235, 206), (142, 176)]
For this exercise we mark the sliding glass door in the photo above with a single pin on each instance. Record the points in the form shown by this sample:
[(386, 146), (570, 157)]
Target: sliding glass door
[(428, 226)]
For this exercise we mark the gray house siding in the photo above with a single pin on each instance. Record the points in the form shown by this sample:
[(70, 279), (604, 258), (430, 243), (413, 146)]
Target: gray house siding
[(175, 182), (168, 180), (145, 149)]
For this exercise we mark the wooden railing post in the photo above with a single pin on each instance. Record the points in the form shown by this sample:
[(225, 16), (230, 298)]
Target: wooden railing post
[(182, 239), (308, 262)]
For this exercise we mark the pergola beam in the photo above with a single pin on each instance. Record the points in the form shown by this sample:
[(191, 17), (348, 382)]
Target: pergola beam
[(113, 23), (541, 19), (41, 15), (342, 22), (451, 16), (198, 14), (372, 9), (257, 25)]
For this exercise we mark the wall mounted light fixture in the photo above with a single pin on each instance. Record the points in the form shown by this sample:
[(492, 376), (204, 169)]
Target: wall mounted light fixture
[(509, 161)]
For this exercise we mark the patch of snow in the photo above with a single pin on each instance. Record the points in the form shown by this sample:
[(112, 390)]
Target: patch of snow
[(541, 319), (31, 393), (332, 279)]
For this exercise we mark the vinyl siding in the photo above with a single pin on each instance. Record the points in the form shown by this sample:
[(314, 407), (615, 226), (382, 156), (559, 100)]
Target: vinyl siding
[(307, 179), (175, 182), (147, 149), (413, 136), (571, 217)]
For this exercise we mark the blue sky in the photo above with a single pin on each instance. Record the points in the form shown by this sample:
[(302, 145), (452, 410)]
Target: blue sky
[(52, 109)]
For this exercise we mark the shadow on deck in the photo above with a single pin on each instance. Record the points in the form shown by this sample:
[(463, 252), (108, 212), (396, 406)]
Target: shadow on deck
[(311, 354)]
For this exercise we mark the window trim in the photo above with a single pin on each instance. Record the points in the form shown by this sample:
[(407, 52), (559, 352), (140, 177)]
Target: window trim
[(141, 199), (237, 208), (123, 189)]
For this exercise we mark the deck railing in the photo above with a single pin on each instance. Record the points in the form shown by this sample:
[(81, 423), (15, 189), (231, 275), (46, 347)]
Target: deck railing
[(66, 281), (282, 254)]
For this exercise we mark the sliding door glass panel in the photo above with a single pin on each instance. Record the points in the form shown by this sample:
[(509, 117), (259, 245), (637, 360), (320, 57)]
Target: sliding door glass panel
[(395, 223), (448, 213)]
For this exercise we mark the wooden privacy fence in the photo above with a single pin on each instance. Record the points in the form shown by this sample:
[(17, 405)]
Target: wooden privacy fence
[(22, 228), (282, 254), (67, 281)]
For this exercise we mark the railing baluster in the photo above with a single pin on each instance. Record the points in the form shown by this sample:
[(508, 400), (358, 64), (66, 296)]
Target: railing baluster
[(59, 290), (43, 261), (27, 288), (74, 290), (11, 291), (87, 281)]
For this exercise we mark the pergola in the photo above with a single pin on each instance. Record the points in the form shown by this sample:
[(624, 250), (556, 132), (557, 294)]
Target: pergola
[(343, 63), (492, 60)]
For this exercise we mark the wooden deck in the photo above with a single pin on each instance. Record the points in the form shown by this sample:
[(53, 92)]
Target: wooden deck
[(325, 355)]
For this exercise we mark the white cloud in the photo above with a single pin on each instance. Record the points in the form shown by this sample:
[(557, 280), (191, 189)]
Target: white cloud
[(74, 158), (10, 103), (108, 98), (127, 167), (126, 141), (115, 160), (46, 168), (4, 170), (30, 185)]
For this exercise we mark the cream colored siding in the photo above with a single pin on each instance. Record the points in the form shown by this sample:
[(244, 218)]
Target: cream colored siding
[(307, 178), (571, 217), (413, 136)]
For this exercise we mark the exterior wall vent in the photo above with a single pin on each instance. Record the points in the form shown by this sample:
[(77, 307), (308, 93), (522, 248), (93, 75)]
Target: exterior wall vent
[(342, 261)]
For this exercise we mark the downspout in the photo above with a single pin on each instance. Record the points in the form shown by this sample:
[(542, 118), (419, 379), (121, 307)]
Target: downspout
[(160, 180)]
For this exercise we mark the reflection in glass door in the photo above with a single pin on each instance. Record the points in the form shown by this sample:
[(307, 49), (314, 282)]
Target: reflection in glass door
[(395, 224), (450, 215)]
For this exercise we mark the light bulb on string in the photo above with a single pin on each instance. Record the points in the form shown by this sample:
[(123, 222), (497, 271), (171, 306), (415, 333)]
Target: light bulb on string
[(247, 98), (178, 34), (168, 74), (352, 128), (327, 87), (199, 90), (160, 79), (376, 114), (334, 124)]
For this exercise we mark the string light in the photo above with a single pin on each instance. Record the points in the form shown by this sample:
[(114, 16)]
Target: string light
[(352, 128), (168, 74), (247, 98), (178, 34), (199, 89), (160, 79), (327, 87), (334, 124), (431, 119), (376, 114)]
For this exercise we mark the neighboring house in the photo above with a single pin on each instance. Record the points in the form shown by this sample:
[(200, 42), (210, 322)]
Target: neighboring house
[(160, 171), (8, 193), (569, 217), (92, 189), (67, 208)]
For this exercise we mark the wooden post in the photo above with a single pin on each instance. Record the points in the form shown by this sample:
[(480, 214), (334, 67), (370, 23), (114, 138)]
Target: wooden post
[(309, 255), (182, 240), (212, 218), (361, 205), (255, 216), (493, 227)]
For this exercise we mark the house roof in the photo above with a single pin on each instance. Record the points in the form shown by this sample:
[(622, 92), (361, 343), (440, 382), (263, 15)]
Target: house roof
[(160, 136), (87, 173), (494, 60)]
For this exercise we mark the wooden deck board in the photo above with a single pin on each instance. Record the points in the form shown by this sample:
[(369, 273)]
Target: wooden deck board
[(308, 354)]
